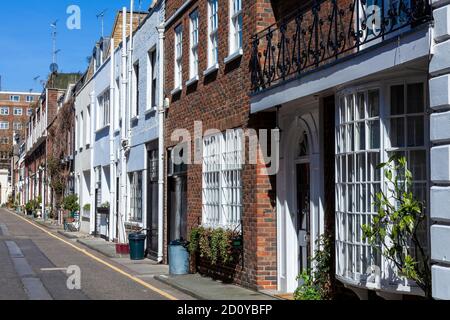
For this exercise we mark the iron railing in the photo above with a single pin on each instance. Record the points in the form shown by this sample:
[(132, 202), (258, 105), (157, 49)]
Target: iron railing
[(327, 30)]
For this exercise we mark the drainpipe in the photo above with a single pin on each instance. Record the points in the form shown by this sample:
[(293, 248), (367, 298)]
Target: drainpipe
[(93, 177), (46, 158), (161, 145), (123, 103), (112, 167), (130, 71)]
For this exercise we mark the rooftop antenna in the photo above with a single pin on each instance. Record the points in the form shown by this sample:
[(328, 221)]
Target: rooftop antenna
[(101, 15), (54, 66), (140, 7)]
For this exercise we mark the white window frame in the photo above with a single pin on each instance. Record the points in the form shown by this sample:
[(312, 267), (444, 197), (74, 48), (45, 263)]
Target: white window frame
[(14, 98), (30, 98), (4, 125), (17, 126), (213, 33), (193, 51), (18, 111), (136, 196), (178, 76), (151, 80), (2, 111), (236, 17), (135, 96), (222, 180), (352, 252), (103, 103), (29, 111), (88, 125), (81, 131)]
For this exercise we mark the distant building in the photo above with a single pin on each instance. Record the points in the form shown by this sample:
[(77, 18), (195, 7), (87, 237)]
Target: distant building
[(15, 107)]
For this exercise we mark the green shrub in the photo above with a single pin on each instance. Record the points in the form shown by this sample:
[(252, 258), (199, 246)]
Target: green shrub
[(70, 203), (213, 244)]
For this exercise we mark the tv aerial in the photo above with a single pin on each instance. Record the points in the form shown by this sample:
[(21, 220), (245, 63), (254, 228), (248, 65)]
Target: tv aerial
[(54, 65), (101, 16)]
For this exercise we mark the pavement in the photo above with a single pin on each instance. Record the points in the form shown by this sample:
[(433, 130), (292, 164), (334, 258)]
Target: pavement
[(192, 286), (205, 288)]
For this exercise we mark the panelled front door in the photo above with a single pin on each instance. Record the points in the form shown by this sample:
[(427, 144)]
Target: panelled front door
[(152, 204)]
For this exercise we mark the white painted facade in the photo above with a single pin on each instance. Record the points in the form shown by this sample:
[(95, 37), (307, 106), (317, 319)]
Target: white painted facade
[(118, 146), (440, 156)]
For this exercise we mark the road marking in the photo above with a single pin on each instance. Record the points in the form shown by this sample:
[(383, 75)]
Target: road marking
[(85, 252), (4, 230), (54, 269), (34, 288)]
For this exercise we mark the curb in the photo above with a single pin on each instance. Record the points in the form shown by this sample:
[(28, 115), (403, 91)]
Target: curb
[(116, 256), (68, 235), (162, 279)]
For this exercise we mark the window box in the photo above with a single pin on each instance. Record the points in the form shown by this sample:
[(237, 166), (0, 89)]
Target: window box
[(211, 69), (103, 211)]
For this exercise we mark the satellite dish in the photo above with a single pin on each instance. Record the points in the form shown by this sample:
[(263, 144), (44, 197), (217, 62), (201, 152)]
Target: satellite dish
[(54, 68)]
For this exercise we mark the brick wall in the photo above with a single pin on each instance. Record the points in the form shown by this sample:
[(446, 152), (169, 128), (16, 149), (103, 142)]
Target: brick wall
[(221, 101)]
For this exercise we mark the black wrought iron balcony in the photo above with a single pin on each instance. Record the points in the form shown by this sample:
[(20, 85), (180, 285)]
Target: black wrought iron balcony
[(327, 30)]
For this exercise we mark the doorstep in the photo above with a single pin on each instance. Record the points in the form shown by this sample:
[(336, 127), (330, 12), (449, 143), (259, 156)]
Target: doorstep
[(205, 288)]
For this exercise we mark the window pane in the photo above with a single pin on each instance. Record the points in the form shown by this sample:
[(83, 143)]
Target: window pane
[(374, 134), (397, 100), (417, 164), (415, 131), (350, 108), (361, 135), (361, 108), (415, 98), (373, 103), (397, 132)]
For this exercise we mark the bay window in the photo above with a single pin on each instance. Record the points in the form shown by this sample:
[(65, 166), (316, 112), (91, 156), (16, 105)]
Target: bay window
[(222, 179), (372, 125)]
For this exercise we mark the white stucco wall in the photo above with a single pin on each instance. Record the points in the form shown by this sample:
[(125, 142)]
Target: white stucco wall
[(440, 152)]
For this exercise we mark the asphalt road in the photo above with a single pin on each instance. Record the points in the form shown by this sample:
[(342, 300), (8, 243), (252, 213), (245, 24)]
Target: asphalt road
[(34, 262)]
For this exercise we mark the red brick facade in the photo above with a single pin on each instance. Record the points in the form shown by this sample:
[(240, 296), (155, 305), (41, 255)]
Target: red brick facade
[(221, 101)]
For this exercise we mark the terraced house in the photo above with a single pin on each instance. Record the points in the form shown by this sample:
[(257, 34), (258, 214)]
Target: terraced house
[(351, 83), (347, 84)]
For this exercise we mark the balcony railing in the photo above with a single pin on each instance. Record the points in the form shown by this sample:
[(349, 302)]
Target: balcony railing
[(327, 30)]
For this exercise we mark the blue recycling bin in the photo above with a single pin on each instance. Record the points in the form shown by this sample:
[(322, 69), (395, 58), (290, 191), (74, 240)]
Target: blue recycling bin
[(178, 258)]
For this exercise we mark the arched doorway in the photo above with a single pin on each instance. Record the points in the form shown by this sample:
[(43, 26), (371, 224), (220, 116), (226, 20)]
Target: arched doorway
[(299, 207)]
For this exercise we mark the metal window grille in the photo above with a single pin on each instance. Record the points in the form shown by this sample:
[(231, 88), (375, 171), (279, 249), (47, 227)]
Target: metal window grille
[(222, 180)]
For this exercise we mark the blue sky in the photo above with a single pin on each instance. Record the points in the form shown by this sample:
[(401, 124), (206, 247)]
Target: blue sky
[(26, 50)]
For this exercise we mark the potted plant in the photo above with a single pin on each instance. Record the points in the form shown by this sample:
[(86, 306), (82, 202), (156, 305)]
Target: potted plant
[(104, 208), (29, 207), (70, 204)]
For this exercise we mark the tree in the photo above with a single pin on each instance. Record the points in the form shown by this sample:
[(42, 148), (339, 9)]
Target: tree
[(396, 226)]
